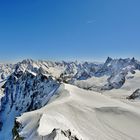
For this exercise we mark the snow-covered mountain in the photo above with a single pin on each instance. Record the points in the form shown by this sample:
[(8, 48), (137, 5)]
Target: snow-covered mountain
[(59, 111), (24, 91), (5, 70), (64, 70), (113, 74), (86, 114), (69, 72)]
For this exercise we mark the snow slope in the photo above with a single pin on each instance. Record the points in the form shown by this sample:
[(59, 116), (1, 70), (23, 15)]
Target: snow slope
[(130, 85), (87, 114), (93, 83), (73, 113), (23, 92)]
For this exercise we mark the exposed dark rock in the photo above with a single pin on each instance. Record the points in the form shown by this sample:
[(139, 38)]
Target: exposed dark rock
[(69, 135), (135, 95), (15, 133), (1, 124)]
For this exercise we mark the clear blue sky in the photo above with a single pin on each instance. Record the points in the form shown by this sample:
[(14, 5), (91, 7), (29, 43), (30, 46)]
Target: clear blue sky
[(69, 29)]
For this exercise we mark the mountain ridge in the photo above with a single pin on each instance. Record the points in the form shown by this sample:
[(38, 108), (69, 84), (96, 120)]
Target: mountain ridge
[(29, 85)]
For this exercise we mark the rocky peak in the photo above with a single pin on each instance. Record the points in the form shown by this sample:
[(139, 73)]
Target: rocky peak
[(108, 60)]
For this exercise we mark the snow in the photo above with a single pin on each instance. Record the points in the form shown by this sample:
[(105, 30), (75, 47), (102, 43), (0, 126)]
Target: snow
[(128, 88), (8, 120), (1, 91), (92, 83), (97, 114), (89, 115), (26, 92), (56, 71)]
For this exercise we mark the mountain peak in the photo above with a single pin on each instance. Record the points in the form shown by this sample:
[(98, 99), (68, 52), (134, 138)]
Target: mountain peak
[(29, 61), (108, 60), (133, 59)]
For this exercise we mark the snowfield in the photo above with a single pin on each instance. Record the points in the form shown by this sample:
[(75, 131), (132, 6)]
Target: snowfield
[(93, 83), (45, 100), (130, 85), (89, 115)]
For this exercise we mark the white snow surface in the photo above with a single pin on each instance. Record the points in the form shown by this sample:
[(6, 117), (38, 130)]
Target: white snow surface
[(93, 83), (88, 114), (130, 85)]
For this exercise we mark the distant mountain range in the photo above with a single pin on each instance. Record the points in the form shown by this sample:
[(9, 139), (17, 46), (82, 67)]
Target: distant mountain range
[(69, 72), (29, 85)]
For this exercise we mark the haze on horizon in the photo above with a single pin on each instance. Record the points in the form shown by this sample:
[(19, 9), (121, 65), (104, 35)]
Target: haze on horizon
[(69, 29)]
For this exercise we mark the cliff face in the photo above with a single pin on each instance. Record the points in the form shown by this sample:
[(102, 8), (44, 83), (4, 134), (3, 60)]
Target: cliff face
[(25, 91)]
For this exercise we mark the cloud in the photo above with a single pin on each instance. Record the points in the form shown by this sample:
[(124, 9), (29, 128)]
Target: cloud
[(91, 21)]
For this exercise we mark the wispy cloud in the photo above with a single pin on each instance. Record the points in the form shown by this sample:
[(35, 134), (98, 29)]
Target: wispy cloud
[(91, 21)]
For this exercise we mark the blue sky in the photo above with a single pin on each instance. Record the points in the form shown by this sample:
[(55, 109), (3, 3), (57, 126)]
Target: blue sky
[(69, 29)]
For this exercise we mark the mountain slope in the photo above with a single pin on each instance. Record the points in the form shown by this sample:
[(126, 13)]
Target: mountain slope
[(72, 113), (72, 72), (112, 74), (23, 91), (86, 114)]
